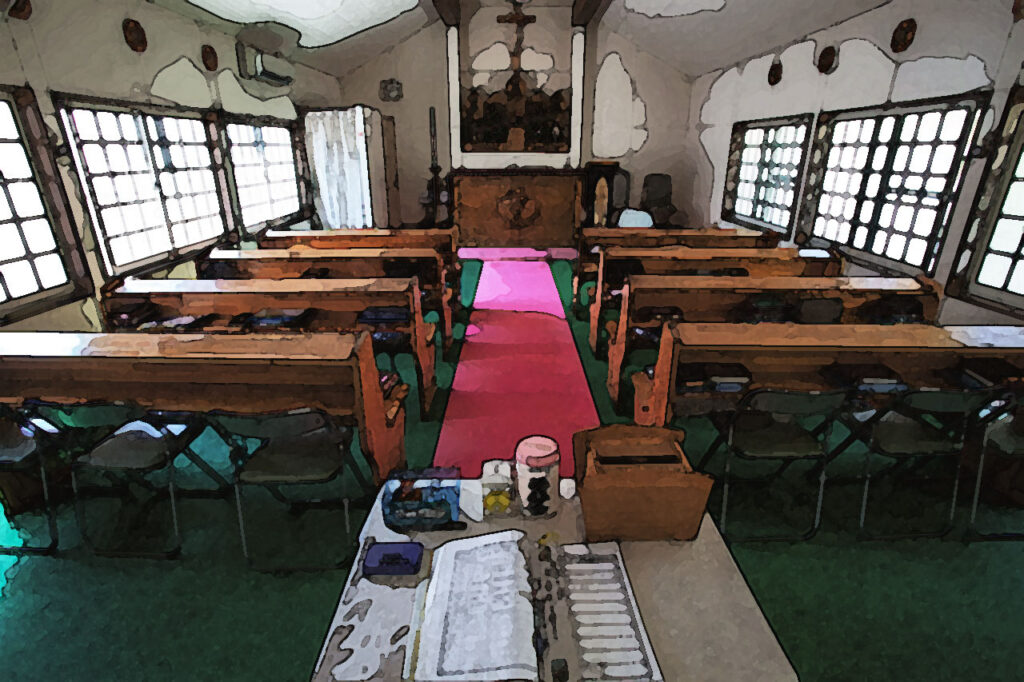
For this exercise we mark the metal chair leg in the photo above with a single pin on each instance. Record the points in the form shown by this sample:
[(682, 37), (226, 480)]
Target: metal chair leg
[(942, 532), (867, 485), (176, 550), (172, 553), (971, 527), (241, 522), (972, 532), (725, 488), (51, 513), (348, 523), (80, 511)]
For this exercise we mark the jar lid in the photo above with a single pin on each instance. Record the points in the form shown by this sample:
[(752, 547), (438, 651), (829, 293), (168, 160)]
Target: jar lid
[(537, 451)]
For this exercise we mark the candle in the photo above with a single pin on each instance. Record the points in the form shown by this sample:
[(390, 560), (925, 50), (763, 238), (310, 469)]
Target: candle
[(433, 137)]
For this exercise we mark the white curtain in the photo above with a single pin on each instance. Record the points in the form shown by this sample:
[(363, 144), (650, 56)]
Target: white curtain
[(336, 145)]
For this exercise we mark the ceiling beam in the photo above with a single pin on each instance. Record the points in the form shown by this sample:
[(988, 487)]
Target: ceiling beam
[(586, 11), (449, 11)]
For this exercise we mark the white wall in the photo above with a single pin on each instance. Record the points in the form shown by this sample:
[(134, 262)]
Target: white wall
[(960, 45), (420, 63), (645, 130), (78, 47)]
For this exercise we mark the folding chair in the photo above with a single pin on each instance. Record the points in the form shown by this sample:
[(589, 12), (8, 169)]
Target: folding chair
[(1004, 437), (773, 425), (296, 448), (138, 448), (922, 423), (23, 446)]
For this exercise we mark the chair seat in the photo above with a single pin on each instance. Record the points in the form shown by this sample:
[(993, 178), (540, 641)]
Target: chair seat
[(910, 438), (759, 436), (136, 450), (16, 448), (1006, 438), (309, 458)]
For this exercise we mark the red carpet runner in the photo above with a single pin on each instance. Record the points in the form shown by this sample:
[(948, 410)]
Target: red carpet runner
[(518, 374)]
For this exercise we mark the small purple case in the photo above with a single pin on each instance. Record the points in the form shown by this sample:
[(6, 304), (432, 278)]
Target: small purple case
[(393, 558)]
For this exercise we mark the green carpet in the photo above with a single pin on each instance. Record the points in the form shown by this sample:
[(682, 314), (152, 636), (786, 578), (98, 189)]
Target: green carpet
[(843, 609)]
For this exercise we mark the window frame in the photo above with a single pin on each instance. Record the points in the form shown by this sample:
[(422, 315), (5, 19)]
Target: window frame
[(815, 176), (1003, 145), (46, 175), (297, 133), (734, 161), (65, 102)]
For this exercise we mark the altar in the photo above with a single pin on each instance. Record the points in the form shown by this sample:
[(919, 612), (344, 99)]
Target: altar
[(535, 207)]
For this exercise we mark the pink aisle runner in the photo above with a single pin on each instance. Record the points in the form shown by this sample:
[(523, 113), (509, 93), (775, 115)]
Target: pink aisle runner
[(518, 374)]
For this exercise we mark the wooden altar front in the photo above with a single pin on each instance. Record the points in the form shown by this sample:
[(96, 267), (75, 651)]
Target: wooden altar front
[(534, 207)]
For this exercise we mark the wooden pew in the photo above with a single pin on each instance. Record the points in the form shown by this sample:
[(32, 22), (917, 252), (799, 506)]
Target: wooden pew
[(441, 240), (615, 263), (791, 356), (696, 237), (592, 239), (434, 274), (647, 299), (336, 305), (249, 374)]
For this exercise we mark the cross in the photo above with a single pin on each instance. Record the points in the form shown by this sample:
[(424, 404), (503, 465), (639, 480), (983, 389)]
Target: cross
[(521, 21)]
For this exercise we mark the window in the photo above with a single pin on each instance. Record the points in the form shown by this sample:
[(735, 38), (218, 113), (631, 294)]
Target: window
[(1002, 265), (150, 181), (885, 180), (989, 267), (264, 168), (765, 163), (40, 259)]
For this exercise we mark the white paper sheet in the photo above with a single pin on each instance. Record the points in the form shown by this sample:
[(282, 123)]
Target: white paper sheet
[(478, 618)]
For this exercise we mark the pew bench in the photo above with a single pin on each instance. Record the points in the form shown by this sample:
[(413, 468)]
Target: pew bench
[(436, 278), (329, 305), (648, 300), (200, 373), (615, 264), (791, 356)]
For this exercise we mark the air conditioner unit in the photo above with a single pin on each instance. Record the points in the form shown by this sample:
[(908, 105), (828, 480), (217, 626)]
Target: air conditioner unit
[(259, 66)]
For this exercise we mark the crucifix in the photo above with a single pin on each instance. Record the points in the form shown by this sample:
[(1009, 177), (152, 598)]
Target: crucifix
[(521, 21)]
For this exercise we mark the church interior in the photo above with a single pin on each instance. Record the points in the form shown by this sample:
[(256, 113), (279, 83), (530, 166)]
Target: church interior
[(511, 339)]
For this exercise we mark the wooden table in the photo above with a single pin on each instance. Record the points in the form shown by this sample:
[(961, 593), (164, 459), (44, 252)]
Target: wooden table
[(647, 299), (692, 598), (617, 263), (337, 302), (440, 240), (435, 276), (791, 356), (250, 374)]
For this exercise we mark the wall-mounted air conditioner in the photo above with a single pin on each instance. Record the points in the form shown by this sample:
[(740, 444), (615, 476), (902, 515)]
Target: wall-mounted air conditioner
[(263, 67)]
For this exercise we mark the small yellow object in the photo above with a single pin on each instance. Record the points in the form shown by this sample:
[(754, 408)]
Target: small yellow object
[(497, 501)]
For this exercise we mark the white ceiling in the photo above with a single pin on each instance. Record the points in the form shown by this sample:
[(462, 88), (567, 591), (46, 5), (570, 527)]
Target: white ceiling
[(712, 34), (299, 23), (319, 22), (711, 39)]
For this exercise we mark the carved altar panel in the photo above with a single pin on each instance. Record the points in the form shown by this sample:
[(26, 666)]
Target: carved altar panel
[(522, 207)]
